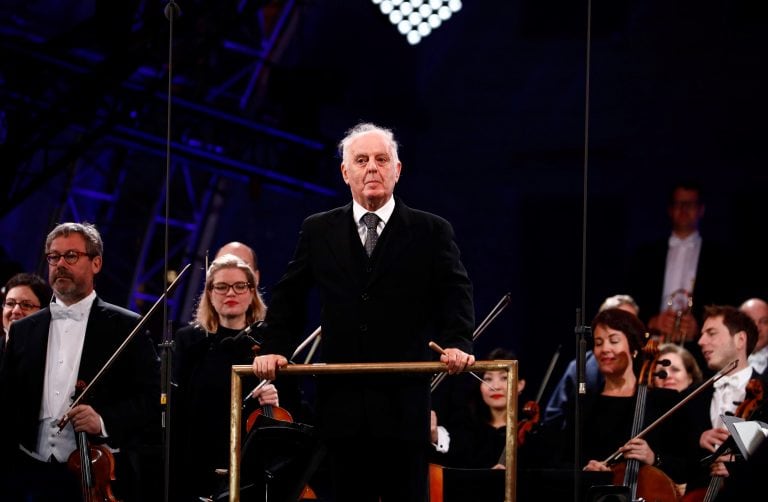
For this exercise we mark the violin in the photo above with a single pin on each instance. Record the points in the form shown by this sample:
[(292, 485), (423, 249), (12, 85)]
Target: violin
[(532, 414), (269, 411), (94, 464), (644, 481), (755, 394)]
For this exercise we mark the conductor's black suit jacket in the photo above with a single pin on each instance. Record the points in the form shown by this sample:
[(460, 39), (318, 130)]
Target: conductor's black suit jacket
[(125, 395), (385, 308)]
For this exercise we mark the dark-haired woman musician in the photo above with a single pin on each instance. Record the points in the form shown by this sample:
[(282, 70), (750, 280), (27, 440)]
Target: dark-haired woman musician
[(607, 416)]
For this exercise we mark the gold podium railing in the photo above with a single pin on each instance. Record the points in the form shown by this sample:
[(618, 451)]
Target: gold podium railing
[(236, 404)]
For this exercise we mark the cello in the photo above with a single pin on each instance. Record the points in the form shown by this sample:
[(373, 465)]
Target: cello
[(645, 482), (94, 464)]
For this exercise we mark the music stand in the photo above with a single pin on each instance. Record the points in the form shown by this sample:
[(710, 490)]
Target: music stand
[(477, 485), (747, 434), (278, 458)]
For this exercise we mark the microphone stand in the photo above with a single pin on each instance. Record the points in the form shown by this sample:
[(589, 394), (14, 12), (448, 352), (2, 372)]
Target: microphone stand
[(582, 334), (171, 12)]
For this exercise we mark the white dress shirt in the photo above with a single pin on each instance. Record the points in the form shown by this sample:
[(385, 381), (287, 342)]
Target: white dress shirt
[(682, 261), (62, 364), (759, 360), (384, 213), (729, 391)]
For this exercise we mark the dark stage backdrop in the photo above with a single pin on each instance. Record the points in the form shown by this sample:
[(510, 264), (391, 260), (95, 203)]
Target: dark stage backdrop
[(490, 113)]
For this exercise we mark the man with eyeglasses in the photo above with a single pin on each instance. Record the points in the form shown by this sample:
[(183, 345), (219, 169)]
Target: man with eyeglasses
[(24, 294), (678, 276), (68, 341)]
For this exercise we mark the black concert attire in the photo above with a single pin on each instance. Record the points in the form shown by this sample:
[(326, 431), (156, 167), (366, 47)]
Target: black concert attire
[(382, 308), (697, 415), (202, 366), (607, 425), (126, 397)]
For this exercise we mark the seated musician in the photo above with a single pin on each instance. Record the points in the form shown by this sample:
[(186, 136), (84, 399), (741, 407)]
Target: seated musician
[(609, 416), (478, 436), (680, 371), (727, 335)]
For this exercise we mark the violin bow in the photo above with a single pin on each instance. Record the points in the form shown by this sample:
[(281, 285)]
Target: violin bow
[(492, 315), (65, 419), (548, 373), (717, 376)]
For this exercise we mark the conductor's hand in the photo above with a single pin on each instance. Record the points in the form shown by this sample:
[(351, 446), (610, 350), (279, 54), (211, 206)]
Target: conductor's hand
[(85, 419), (456, 360), (265, 366)]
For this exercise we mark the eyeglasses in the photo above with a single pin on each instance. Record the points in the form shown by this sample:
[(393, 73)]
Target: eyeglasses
[(239, 288), (70, 257), (23, 305)]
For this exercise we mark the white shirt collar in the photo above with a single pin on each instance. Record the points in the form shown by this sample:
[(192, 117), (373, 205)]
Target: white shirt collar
[(693, 239), (737, 380), (759, 360), (83, 306), (384, 212)]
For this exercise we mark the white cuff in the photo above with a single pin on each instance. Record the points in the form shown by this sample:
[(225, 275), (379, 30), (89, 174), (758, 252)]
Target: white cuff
[(443, 440)]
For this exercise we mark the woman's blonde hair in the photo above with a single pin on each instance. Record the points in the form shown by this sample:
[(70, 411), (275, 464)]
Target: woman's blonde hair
[(206, 316)]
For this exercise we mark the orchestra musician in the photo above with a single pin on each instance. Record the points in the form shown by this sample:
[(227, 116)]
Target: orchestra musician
[(389, 279), (25, 294), (681, 372), (47, 353), (478, 436), (608, 416), (203, 355), (726, 335)]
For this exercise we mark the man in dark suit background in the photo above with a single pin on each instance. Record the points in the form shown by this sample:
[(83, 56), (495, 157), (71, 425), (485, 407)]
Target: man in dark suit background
[(390, 280), (48, 353), (680, 267)]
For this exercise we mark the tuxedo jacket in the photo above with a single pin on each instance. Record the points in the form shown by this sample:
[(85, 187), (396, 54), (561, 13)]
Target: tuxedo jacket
[(383, 308), (697, 416), (716, 282), (125, 395)]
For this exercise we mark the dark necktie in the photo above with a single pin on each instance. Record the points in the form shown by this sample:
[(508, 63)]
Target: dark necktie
[(371, 222)]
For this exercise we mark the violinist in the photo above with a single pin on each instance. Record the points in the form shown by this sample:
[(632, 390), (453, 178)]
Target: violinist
[(203, 356), (478, 437), (608, 416), (389, 279), (727, 334), (47, 353)]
